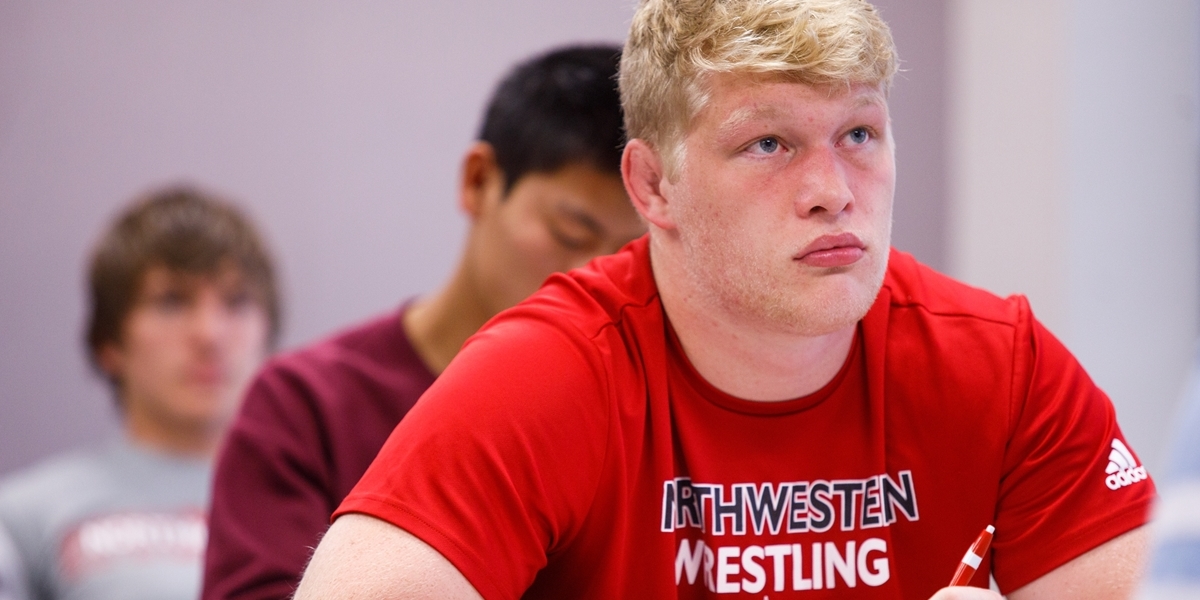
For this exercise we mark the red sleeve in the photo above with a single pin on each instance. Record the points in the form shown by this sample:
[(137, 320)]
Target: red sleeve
[(269, 507), (497, 465), (1055, 500)]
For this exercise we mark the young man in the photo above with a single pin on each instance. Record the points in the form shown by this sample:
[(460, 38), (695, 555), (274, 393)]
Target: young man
[(760, 399), (183, 308), (543, 190)]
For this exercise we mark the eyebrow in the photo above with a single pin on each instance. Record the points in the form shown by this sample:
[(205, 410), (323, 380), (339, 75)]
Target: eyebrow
[(872, 98), (740, 116)]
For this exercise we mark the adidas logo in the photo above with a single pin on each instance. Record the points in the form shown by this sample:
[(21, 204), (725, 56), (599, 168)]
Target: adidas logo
[(1122, 468)]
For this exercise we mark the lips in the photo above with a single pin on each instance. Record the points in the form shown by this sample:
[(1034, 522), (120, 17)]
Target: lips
[(828, 251), (207, 374)]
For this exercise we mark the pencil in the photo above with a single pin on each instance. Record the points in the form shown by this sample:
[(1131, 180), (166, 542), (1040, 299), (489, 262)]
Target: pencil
[(974, 556)]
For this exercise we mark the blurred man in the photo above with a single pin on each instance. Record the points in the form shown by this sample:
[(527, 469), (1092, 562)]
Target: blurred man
[(543, 190), (12, 574), (760, 399), (183, 309), (1174, 570)]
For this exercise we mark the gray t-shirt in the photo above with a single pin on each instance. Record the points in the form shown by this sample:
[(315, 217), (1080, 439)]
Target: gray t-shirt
[(12, 577), (121, 523)]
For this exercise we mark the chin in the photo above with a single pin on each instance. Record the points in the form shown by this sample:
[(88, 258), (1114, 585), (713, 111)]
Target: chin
[(773, 293), (814, 319), (210, 404), (827, 306)]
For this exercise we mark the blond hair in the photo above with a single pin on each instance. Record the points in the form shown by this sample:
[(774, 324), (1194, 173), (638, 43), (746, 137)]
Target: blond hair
[(674, 44)]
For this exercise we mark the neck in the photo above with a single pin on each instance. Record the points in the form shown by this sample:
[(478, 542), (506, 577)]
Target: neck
[(181, 440), (746, 359), (438, 325)]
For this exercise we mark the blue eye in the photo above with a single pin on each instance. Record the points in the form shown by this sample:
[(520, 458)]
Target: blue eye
[(768, 145), (859, 135)]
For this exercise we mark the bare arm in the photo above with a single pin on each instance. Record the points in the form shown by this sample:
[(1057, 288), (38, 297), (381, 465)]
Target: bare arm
[(1108, 571), (363, 557)]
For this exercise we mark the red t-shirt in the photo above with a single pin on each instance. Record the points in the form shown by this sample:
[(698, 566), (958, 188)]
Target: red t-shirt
[(571, 450)]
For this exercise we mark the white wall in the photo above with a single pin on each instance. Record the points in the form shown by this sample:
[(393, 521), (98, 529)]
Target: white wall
[(339, 124), (1075, 145), (918, 105)]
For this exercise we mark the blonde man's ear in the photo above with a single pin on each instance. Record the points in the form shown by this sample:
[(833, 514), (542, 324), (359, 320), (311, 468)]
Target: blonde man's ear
[(642, 170)]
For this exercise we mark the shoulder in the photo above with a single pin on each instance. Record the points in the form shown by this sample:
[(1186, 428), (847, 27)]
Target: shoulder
[(916, 287), (532, 397), (334, 400), (932, 328), (51, 478), (373, 359), (57, 488), (379, 339), (608, 306), (611, 291), (566, 346)]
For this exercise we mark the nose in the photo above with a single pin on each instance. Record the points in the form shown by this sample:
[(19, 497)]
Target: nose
[(823, 187), (209, 319)]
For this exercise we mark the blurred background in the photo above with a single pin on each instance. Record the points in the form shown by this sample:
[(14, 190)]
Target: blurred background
[(1047, 147)]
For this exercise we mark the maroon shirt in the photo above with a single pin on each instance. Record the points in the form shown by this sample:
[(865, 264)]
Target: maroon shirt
[(312, 422)]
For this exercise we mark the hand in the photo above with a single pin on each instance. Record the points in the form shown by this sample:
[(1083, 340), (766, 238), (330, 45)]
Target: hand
[(966, 593)]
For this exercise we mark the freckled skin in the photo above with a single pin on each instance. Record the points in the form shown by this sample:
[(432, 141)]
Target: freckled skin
[(772, 167)]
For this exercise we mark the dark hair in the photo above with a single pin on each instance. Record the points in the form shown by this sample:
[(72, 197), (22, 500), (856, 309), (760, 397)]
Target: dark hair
[(556, 109), (184, 230)]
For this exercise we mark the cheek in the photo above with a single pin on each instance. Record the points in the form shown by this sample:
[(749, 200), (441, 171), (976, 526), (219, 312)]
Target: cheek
[(533, 253), (249, 338), (738, 218), (151, 344), (718, 239), (243, 360), (148, 367), (876, 181), (873, 194), (537, 259)]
